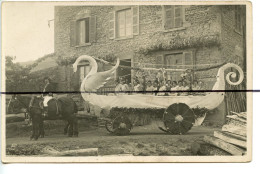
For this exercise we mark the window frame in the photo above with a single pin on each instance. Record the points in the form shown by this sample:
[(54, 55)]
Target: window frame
[(116, 23), (182, 27), (183, 52), (78, 44)]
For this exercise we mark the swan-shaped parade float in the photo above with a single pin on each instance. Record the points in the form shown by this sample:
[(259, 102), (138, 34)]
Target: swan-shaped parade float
[(178, 117)]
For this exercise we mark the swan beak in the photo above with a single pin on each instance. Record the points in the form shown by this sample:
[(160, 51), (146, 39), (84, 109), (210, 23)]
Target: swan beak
[(75, 67)]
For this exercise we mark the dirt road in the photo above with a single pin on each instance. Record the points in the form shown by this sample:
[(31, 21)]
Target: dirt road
[(143, 141)]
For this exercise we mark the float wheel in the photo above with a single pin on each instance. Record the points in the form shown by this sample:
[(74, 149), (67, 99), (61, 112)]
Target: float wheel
[(122, 125), (178, 118)]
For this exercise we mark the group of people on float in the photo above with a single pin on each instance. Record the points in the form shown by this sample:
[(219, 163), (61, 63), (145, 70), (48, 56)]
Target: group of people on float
[(159, 88)]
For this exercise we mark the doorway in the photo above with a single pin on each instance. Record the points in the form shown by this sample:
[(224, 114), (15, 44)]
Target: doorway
[(124, 70)]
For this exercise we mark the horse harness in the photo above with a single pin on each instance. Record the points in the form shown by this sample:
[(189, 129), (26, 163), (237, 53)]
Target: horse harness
[(41, 107)]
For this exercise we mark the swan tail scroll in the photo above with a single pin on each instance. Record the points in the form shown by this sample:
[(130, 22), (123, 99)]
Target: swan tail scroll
[(220, 83)]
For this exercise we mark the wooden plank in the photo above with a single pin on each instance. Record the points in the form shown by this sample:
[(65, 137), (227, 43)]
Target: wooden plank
[(239, 137), (241, 114), (234, 150), (79, 152), (229, 139), (239, 130), (235, 117)]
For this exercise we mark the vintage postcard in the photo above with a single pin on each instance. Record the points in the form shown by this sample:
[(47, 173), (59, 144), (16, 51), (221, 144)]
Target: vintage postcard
[(126, 81)]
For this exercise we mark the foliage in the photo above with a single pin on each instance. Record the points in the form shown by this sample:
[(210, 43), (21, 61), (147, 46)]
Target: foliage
[(16, 75), (136, 111), (199, 112), (176, 42), (114, 112)]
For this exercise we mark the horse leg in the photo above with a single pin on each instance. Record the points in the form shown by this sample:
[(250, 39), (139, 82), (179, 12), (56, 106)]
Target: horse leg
[(37, 130), (33, 129), (41, 126), (75, 127), (70, 129), (66, 128)]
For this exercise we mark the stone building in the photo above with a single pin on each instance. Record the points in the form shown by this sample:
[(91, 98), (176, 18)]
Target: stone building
[(150, 36)]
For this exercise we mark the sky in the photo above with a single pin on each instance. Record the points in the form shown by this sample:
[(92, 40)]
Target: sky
[(25, 30)]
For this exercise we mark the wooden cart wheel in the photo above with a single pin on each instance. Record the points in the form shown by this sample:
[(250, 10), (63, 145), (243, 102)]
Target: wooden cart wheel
[(109, 126), (122, 125), (178, 118)]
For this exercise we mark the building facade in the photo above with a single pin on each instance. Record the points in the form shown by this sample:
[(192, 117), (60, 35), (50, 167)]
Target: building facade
[(151, 36)]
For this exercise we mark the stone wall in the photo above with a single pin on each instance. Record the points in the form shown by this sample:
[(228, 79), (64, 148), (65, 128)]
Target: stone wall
[(208, 32), (201, 32), (232, 40)]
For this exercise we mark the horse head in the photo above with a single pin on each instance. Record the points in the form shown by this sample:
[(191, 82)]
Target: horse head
[(16, 104)]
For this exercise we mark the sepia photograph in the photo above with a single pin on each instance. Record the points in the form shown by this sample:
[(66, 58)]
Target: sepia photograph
[(126, 82)]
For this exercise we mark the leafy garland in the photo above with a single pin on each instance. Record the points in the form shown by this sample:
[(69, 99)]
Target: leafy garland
[(165, 43), (115, 112), (65, 61)]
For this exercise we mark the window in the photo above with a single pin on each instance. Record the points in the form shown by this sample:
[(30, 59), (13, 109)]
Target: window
[(173, 17), (180, 60), (83, 30), (124, 22), (82, 33), (238, 19)]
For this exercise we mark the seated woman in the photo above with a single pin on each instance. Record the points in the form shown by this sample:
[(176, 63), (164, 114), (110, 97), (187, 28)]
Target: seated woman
[(202, 87), (156, 87), (149, 87), (137, 86), (173, 88), (179, 87), (162, 89), (185, 87), (168, 86), (118, 88), (195, 85)]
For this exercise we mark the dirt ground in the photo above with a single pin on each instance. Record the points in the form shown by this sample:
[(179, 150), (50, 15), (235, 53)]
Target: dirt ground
[(143, 141)]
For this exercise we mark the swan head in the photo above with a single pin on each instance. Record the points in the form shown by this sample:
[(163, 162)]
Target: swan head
[(75, 67)]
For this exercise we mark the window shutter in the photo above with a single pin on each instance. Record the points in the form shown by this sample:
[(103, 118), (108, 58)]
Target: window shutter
[(168, 17), (73, 33), (178, 17), (188, 60), (92, 29), (112, 25), (159, 61), (135, 20)]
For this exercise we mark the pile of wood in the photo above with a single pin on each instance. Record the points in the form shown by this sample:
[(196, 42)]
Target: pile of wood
[(232, 137)]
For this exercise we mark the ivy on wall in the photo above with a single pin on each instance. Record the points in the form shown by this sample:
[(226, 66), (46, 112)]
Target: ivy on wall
[(159, 43)]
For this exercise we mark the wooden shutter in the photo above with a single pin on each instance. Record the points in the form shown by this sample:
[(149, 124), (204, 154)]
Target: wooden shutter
[(135, 20), (112, 25), (178, 17), (159, 61), (168, 17), (73, 40), (92, 29), (188, 60)]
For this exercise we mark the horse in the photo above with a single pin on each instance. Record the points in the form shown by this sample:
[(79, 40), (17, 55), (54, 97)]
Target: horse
[(62, 108)]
